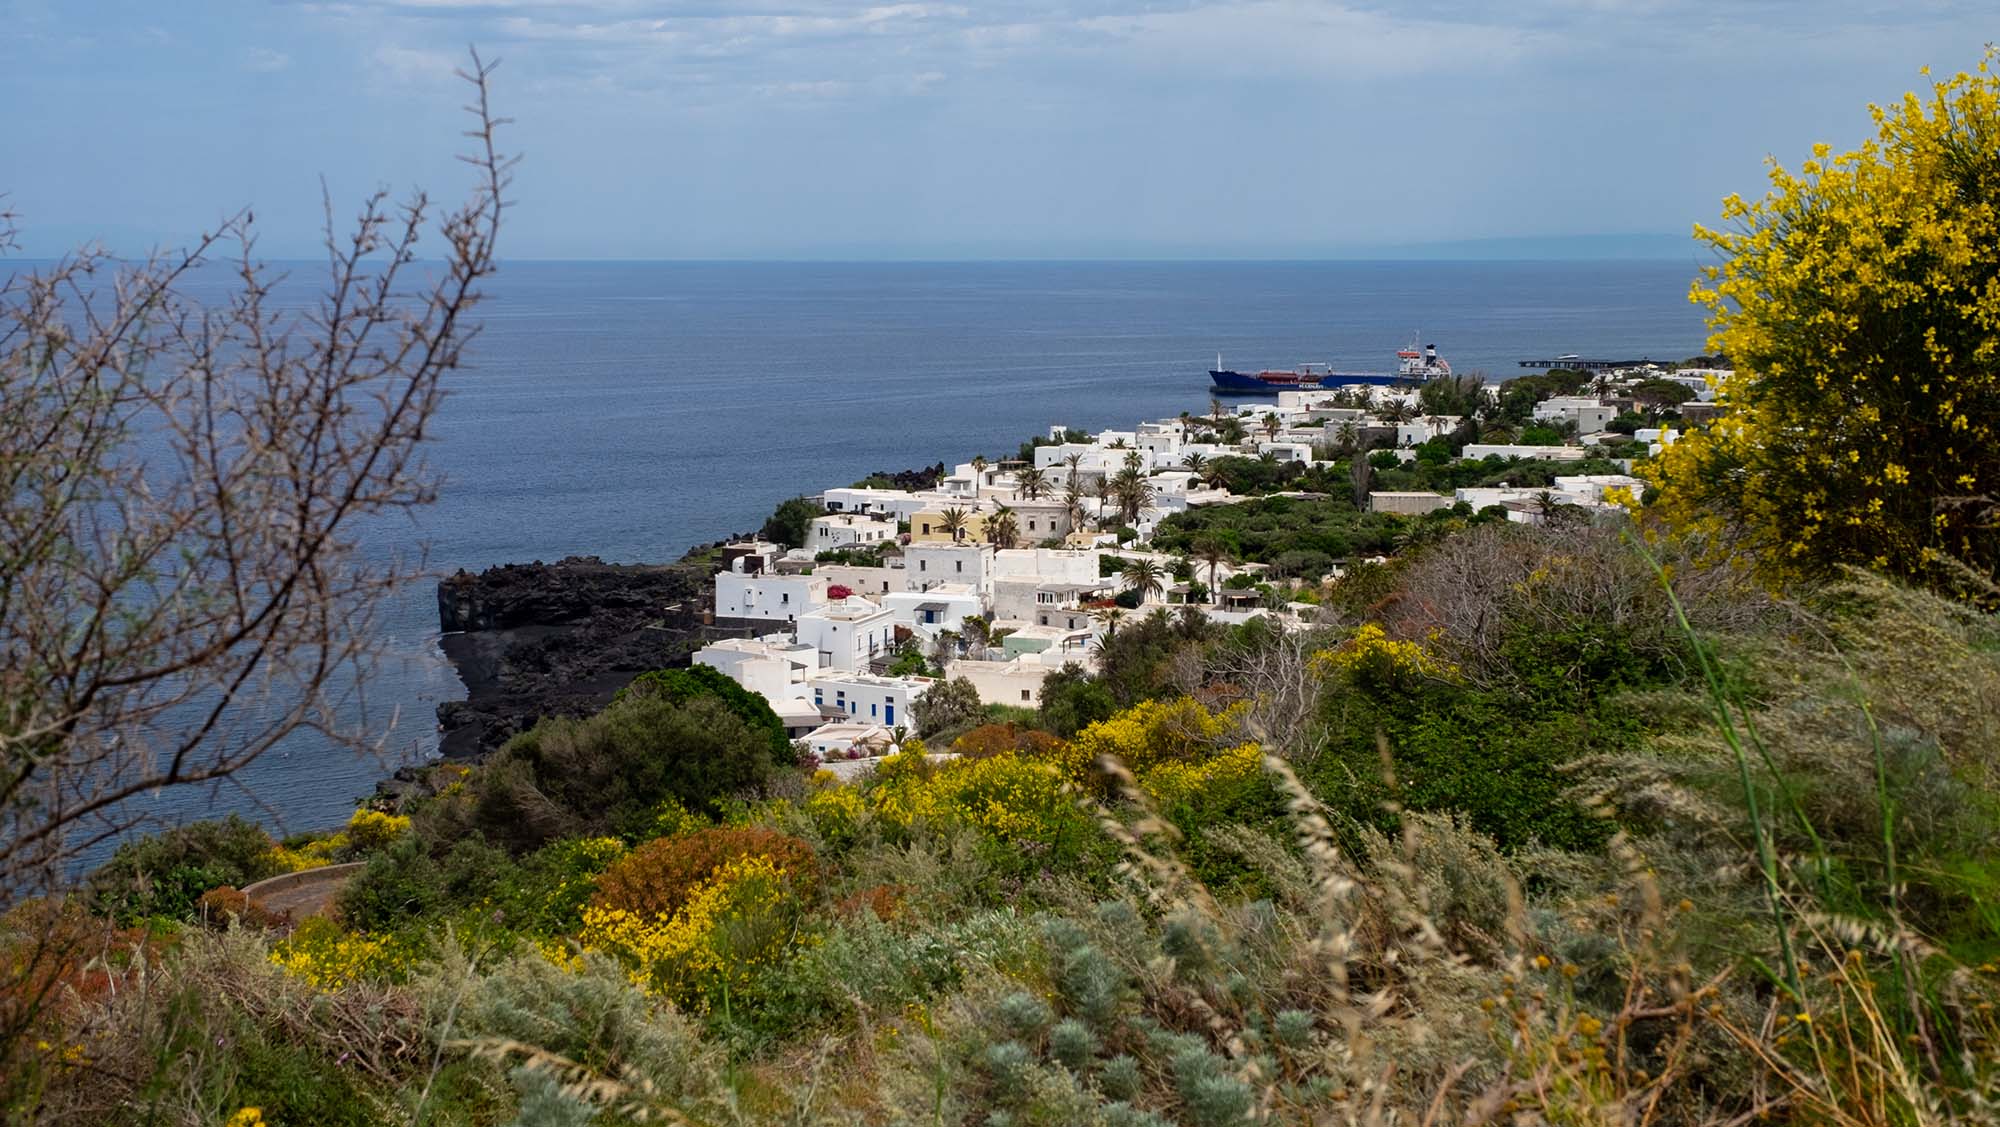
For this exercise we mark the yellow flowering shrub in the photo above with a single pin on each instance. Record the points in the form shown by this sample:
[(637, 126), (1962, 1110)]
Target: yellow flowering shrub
[(328, 955), (733, 926), (366, 831), (1177, 781), (1859, 304), (836, 811), (1372, 656), (1021, 804), (369, 830), (1153, 732)]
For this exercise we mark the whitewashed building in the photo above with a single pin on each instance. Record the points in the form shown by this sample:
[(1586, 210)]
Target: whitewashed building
[(928, 565), (848, 634), (866, 697), (849, 530), (778, 598)]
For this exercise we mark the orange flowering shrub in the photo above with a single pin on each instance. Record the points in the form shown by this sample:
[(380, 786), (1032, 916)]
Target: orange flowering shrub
[(657, 878), (218, 906), (993, 739), (885, 900)]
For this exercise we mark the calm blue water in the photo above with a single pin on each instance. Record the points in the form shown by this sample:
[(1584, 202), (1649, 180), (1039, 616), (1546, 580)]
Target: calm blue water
[(631, 410)]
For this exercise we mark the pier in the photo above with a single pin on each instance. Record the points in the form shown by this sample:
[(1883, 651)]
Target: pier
[(1578, 364)]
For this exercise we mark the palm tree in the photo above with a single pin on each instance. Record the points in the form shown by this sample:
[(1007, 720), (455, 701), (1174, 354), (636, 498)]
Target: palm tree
[(1498, 432), (978, 464), (1116, 444), (1112, 618), (1131, 492), (1074, 463), (1073, 501), (954, 520), (1132, 460), (1031, 482), (1003, 528), (1349, 437), (1553, 509), (1211, 552), (1215, 409), (1271, 425), (1144, 575), (1194, 462)]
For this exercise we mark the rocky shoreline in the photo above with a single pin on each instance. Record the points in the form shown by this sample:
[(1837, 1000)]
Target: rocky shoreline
[(560, 639)]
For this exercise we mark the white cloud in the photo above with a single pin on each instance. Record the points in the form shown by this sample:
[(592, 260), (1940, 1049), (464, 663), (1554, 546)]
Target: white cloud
[(412, 64), (265, 60), (1294, 38)]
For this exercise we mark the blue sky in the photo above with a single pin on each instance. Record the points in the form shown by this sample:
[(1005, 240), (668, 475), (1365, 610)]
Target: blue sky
[(1035, 128)]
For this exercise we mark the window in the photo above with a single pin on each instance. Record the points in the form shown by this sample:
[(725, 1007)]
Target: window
[(959, 565), (1024, 694), (785, 599), (924, 565)]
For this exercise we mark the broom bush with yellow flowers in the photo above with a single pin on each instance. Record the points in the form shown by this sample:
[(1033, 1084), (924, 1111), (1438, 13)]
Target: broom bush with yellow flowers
[(1858, 303)]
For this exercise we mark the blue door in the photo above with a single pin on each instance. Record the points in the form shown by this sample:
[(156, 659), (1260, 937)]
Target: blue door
[(888, 714)]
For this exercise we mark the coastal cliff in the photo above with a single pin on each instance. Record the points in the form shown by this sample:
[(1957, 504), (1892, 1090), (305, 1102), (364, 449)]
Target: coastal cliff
[(534, 640)]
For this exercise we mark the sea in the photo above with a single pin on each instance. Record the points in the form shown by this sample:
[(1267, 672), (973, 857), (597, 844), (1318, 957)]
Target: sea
[(631, 410)]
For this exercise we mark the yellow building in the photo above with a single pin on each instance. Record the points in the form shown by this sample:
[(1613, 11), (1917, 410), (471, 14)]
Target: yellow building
[(927, 527)]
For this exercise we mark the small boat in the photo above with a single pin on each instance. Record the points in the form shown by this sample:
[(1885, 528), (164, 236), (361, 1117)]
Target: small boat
[(1413, 366)]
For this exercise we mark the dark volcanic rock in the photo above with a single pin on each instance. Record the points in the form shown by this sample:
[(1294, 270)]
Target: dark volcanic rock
[(535, 640), (912, 480)]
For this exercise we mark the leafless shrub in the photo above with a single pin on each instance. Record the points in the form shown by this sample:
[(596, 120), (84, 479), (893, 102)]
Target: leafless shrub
[(1471, 591), (180, 490)]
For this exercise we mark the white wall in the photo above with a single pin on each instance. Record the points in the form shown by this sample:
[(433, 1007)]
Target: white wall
[(848, 635), (871, 581), (926, 565), (1050, 565), (875, 700), (780, 598)]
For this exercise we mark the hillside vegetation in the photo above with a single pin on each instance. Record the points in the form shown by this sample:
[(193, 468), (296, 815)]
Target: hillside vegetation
[(1686, 818)]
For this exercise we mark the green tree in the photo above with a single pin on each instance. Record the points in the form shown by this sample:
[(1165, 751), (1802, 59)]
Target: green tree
[(790, 522), (946, 705), (680, 685), (1073, 700)]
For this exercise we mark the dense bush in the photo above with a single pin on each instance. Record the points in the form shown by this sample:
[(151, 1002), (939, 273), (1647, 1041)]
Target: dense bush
[(1859, 302), (1072, 699), (1263, 530), (164, 875), (791, 522), (946, 706), (678, 686), (656, 878), (605, 774)]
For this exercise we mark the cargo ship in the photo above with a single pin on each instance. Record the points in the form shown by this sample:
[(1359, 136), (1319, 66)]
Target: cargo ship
[(1413, 366)]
